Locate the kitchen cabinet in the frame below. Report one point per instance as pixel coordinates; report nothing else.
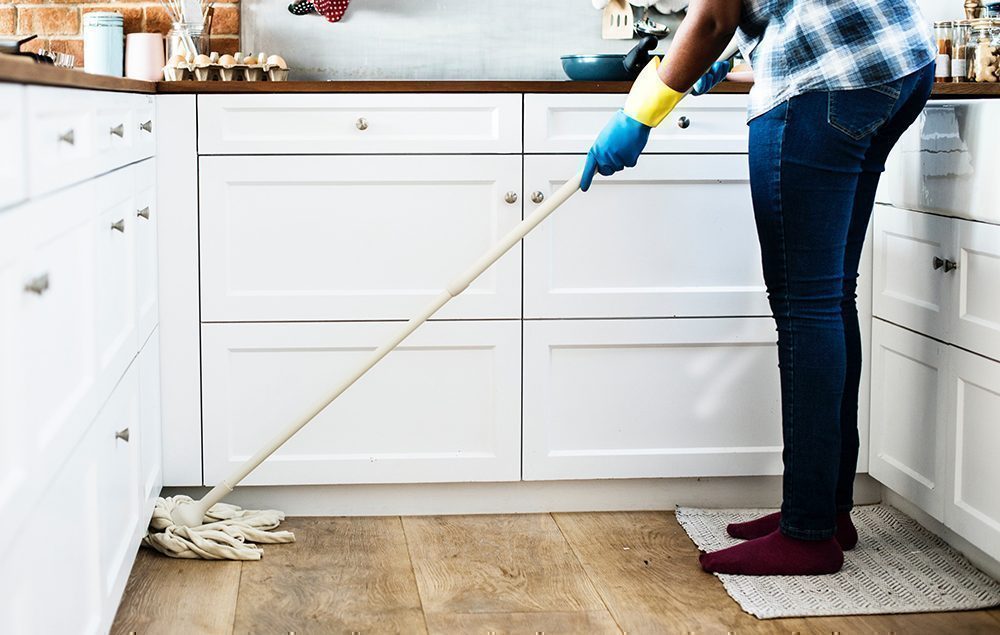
(14, 158)
(150, 422)
(673, 236)
(62, 138)
(445, 406)
(355, 238)
(650, 398)
(976, 293)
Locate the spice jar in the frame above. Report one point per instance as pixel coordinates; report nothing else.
(942, 68)
(103, 43)
(960, 51)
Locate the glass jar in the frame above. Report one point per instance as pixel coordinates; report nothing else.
(184, 35)
(103, 43)
(982, 58)
(942, 34)
(960, 51)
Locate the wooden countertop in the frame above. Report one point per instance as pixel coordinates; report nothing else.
(17, 71)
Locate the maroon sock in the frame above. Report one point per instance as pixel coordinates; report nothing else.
(846, 534)
(776, 554)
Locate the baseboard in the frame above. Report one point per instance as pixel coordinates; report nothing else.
(518, 497)
(963, 546)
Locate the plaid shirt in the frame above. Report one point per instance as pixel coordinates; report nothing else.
(797, 46)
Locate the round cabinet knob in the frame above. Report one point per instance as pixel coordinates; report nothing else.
(119, 131)
(38, 285)
(950, 265)
(122, 434)
(146, 126)
(537, 197)
(361, 123)
(510, 197)
(119, 225)
(68, 137)
(683, 123)
(937, 263)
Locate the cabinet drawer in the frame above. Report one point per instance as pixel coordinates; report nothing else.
(977, 288)
(146, 215)
(115, 133)
(570, 123)
(359, 238)
(445, 406)
(674, 236)
(62, 143)
(359, 124)
(14, 158)
(144, 126)
(650, 398)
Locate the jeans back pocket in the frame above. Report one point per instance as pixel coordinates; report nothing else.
(860, 112)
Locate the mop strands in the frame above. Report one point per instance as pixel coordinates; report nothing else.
(229, 532)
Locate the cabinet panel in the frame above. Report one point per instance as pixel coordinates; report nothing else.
(61, 138)
(973, 506)
(359, 238)
(146, 271)
(650, 398)
(445, 406)
(908, 289)
(144, 126)
(569, 123)
(115, 131)
(150, 441)
(673, 236)
(908, 414)
(359, 124)
(14, 158)
(977, 289)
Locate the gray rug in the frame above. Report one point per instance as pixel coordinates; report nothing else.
(897, 567)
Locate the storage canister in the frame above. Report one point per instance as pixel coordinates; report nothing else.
(942, 68)
(960, 51)
(103, 43)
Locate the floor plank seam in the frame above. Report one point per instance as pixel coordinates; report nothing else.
(413, 572)
(236, 604)
(586, 572)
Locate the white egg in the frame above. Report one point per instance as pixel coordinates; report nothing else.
(277, 60)
(202, 60)
(228, 61)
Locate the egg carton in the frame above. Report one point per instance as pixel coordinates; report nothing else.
(207, 68)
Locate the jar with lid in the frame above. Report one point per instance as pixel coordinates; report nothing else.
(960, 51)
(184, 35)
(943, 34)
(983, 56)
(103, 43)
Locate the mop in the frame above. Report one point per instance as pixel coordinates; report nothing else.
(182, 527)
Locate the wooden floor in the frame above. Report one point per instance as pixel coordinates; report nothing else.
(633, 572)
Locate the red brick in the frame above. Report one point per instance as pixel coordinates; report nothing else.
(73, 47)
(8, 20)
(226, 19)
(48, 20)
(224, 45)
(131, 15)
(157, 20)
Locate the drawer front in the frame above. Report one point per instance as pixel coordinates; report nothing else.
(359, 124)
(443, 407)
(115, 133)
(62, 138)
(570, 123)
(907, 289)
(360, 238)
(945, 162)
(674, 236)
(144, 126)
(14, 158)
(650, 398)
(146, 215)
(976, 284)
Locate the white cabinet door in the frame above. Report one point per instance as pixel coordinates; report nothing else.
(358, 238)
(908, 432)
(146, 217)
(62, 143)
(144, 126)
(115, 132)
(972, 506)
(910, 278)
(445, 406)
(359, 124)
(114, 239)
(976, 289)
(13, 432)
(14, 158)
(650, 398)
(673, 236)
(150, 441)
(569, 123)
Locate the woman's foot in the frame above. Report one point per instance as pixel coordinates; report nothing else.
(847, 534)
(776, 554)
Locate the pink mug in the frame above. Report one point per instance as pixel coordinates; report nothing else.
(144, 56)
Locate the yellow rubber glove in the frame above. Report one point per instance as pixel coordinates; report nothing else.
(650, 100)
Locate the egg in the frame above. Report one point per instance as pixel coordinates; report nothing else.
(261, 58)
(250, 60)
(228, 61)
(202, 60)
(276, 60)
(176, 60)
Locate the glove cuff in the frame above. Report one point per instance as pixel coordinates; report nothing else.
(650, 100)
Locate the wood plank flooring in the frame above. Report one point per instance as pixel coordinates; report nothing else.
(633, 572)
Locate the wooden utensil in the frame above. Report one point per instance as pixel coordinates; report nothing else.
(617, 21)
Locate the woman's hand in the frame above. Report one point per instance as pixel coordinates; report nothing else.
(616, 148)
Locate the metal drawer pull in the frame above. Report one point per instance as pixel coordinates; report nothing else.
(147, 126)
(683, 122)
(537, 197)
(143, 213)
(361, 123)
(38, 285)
(950, 265)
(510, 197)
(938, 263)
(119, 225)
(119, 131)
(122, 434)
(68, 137)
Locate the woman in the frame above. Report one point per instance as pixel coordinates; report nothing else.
(836, 84)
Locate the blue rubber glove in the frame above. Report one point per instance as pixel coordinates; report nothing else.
(616, 148)
(716, 73)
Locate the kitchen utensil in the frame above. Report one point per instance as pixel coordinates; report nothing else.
(302, 7)
(618, 18)
(671, 6)
(646, 26)
(144, 56)
(9, 45)
(610, 67)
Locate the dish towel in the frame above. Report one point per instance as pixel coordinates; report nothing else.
(230, 533)
(332, 10)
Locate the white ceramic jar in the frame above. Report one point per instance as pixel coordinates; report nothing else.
(103, 43)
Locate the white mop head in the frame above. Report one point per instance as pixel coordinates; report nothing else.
(228, 533)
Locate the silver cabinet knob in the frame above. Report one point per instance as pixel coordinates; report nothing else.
(119, 225)
(683, 122)
(119, 131)
(146, 126)
(950, 265)
(143, 213)
(122, 434)
(537, 197)
(361, 123)
(38, 285)
(68, 137)
(510, 197)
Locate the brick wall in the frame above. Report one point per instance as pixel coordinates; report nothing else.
(59, 25)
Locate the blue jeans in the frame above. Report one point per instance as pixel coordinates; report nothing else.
(815, 162)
